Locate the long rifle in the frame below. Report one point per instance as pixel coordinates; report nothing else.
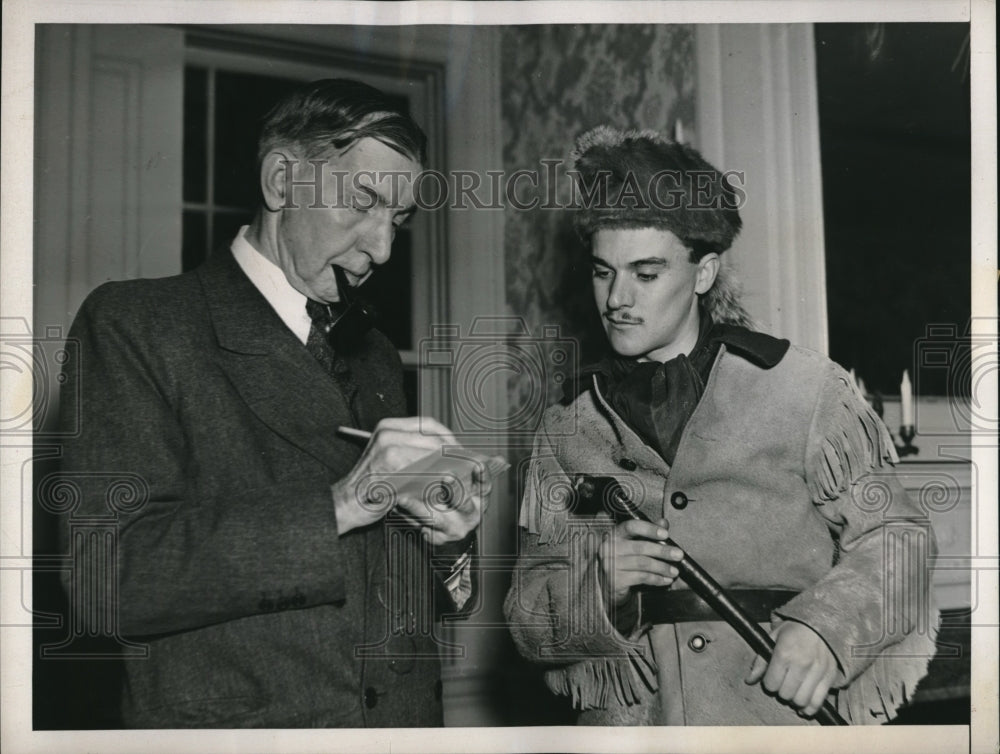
(617, 502)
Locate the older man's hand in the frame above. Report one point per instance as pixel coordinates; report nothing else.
(446, 509)
(801, 670)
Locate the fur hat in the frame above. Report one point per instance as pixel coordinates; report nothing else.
(638, 179)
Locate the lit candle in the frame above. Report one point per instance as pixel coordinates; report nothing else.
(906, 399)
(679, 131)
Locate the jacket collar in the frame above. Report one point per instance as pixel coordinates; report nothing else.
(243, 320)
(279, 380)
(758, 348)
(765, 351)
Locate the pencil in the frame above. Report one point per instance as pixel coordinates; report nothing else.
(352, 432)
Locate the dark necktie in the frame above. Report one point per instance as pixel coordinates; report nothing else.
(336, 365)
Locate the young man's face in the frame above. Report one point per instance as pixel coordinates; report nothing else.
(646, 291)
(367, 192)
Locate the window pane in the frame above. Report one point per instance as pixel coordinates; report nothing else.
(410, 391)
(895, 144)
(193, 231)
(225, 227)
(390, 289)
(241, 102)
(195, 136)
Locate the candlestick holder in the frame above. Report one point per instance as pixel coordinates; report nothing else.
(906, 434)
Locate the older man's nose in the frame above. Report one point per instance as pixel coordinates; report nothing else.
(378, 242)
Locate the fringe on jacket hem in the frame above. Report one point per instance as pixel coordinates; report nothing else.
(590, 684)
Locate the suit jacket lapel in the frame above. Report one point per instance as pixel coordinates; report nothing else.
(270, 368)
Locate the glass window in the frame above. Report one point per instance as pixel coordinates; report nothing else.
(895, 143)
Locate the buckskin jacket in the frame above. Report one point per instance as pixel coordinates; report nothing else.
(787, 482)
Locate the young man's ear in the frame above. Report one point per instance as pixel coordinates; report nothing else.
(708, 268)
(275, 179)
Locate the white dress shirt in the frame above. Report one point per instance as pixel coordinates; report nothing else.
(270, 280)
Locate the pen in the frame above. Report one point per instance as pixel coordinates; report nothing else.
(352, 432)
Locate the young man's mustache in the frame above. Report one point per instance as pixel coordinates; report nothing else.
(622, 318)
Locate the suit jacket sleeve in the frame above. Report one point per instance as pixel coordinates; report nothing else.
(184, 559)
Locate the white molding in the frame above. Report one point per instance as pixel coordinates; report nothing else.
(108, 144)
(757, 112)
(477, 288)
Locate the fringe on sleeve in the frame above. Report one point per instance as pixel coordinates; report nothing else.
(855, 443)
(591, 683)
(548, 496)
(875, 696)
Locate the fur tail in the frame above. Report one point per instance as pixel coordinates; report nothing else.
(723, 300)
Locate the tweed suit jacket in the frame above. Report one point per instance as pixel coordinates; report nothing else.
(229, 564)
(788, 484)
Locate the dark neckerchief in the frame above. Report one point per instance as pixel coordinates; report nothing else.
(656, 399)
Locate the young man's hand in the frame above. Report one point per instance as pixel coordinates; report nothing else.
(801, 670)
(636, 554)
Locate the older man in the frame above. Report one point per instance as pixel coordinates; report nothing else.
(761, 459)
(271, 588)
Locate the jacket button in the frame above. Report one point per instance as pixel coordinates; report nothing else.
(627, 463)
(402, 650)
(371, 697)
(697, 643)
(679, 500)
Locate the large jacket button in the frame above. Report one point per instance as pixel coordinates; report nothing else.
(370, 697)
(698, 643)
(628, 464)
(679, 500)
(402, 651)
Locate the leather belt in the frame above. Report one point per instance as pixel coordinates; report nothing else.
(684, 606)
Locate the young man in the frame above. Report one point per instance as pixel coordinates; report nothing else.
(759, 458)
(272, 584)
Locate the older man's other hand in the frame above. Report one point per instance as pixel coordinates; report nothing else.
(398, 470)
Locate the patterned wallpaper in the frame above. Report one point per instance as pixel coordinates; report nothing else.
(556, 83)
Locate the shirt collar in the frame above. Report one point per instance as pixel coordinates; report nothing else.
(270, 280)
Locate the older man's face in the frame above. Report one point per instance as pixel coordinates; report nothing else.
(367, 192)
(646, 291)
